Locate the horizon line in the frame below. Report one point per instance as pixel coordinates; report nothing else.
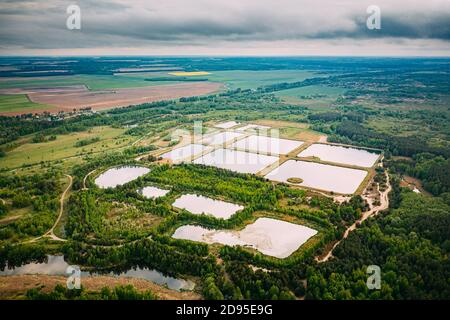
(220, 56)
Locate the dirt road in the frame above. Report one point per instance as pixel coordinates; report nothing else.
(384, 204)
(50, 233)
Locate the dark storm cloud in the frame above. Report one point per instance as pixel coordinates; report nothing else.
(141, 28)
(36, 24)
(434, 27)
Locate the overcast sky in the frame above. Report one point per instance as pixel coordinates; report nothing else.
(225, 27)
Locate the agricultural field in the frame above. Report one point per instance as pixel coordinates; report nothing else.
(124, 86)
(99, 100)
(93, 82)
(141, 77)
(245, 79)
(19, 103)
(67, 99)
(189, 74)
(128, 88)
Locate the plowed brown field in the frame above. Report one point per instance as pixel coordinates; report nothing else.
(78, 97)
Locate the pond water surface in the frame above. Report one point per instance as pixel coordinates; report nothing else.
(319, 176)
(56, 265)
(239, 161)
(221, 138)
(268, 145)
(199, 204)
(253, 127)
(269, 236)
(153, 192)
(226, 125)
(118, 176)
(185, 153)
(339, 154)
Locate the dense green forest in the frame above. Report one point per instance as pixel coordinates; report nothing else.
(37, 194)
(433, 171)
(410, 242)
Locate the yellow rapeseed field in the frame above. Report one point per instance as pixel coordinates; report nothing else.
(188, 74)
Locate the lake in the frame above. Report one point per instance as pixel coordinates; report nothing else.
(118, 176)
(268, 145)
(56, 265)
(339, 154)
(197, 204)
(269, 236)
(319, 176)
(239, 161)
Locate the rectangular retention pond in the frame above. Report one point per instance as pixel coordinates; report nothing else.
(239, 161)
(268, 145)
(226, 125)
(253, 127)
(340, 154)
(319, 176)
(221, 138)
(186, 153)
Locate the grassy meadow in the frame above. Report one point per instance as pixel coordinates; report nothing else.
(65, 146)
(18, 102)
(311, 96)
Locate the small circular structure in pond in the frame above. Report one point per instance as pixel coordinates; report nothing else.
(295, 180)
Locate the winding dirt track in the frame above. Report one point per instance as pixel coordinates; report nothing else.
(85, 178)
(384, 204)
(50, 233)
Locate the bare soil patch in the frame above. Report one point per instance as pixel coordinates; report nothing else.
(105, 99)
(79, 97)
(412, 182)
